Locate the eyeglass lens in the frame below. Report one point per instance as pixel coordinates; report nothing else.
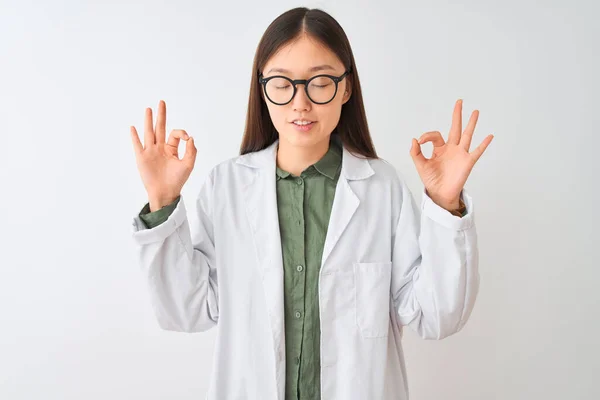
(320, 89)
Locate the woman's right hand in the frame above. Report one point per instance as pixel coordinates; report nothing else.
(162, 172)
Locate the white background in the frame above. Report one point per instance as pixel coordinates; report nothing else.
(75, 317)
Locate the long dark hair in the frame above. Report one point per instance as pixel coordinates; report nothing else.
(352, 127)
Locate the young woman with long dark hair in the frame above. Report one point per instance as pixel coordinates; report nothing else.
(309, 253)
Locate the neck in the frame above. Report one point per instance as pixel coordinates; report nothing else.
(295, 159)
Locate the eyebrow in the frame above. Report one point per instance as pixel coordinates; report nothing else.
(313, 69)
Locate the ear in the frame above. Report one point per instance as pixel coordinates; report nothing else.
(347, 92)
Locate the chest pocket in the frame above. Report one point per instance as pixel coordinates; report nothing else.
(372, 282)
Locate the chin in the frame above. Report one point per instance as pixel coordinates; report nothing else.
(304, 139)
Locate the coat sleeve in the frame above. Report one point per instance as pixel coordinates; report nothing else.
(435, 277)
(180, 270)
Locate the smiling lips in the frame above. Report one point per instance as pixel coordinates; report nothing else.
(303, 125)
(302, 121)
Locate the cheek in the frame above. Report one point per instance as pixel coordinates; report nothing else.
(277, 115)
(331, 115)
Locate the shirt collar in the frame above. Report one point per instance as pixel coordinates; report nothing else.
(354, 167)
(328, 165)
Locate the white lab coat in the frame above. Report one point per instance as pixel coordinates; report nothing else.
(385, 264)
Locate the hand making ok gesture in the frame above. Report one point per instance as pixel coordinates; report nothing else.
(445, 173)
(162, 171)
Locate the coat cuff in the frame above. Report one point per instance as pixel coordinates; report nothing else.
(444, 217)
(155, 218)
(144, 235)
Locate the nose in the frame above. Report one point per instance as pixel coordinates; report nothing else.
(301, 101)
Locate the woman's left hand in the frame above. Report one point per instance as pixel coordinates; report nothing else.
(445, 173)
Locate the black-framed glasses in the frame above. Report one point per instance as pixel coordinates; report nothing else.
(320, 89)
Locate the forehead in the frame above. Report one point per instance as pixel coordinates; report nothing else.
(301, 55)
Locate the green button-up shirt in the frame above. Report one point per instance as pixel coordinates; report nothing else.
(304, 206)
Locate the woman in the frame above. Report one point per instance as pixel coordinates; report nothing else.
(309, 254)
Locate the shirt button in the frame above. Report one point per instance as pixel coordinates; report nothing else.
(297, 360)
(298, 314)
(300, 181)
(299, 268)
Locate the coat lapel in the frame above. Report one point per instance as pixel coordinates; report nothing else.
(345, 201)
(261, 210)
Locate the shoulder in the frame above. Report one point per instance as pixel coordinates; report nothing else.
(228, 169)
(223, 180)
(393, 181)
(228, 176)
(387, 172)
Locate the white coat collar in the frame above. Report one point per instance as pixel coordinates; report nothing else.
(353, 167)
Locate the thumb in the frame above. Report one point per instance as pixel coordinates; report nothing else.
(416, 154)
(190, 152)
